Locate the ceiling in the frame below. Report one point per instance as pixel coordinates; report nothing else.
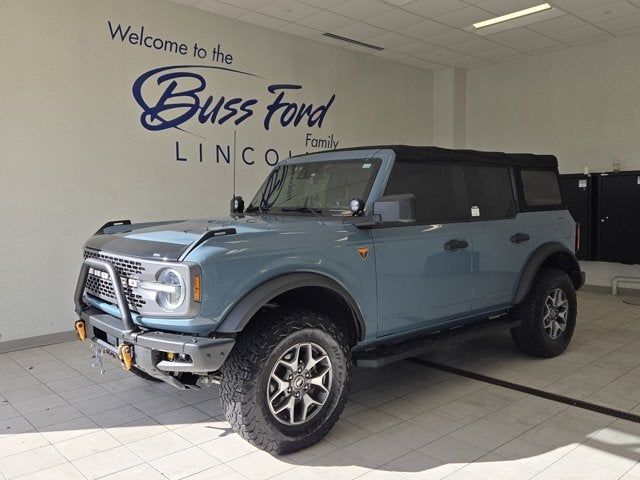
(431, 34)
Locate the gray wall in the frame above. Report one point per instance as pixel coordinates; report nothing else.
(581, 104)
(75, 155)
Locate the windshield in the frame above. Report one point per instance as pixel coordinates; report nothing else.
(316, 187)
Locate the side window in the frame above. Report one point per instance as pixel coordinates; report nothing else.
(541, 188)
(432, 185)
(489, 192)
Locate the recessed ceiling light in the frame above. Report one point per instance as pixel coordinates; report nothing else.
(511, 16)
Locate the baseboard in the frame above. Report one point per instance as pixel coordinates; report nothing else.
(632, 292)
(37, 341)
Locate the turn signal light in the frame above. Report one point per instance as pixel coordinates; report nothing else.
(197, 288)
(170, 356)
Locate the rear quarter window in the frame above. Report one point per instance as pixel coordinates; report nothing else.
(540, 188)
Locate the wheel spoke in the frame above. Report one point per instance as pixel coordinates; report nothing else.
(281, 387)
(312, 362)
(307, 402)
(289, 405)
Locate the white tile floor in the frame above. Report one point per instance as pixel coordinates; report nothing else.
(61, 419)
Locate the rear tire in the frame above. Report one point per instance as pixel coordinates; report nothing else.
(261, 364)
(548, 315)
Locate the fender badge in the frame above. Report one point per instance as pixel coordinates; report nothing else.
(363, 252)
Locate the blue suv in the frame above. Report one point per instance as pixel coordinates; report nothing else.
(342, 257)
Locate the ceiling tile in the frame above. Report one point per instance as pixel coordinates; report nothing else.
(189, 3)
(572, 6)
(289, 10)
(603, 37)
(325, 21)
(424, 29)
(558, 24)
(516, 56)
(515, 35)
(535, 44)
(475, 45)
(220, 8)
(630, 31)
(299, 30)
(390, 40)
(424, 64)
(248, 4)
(433, 8)
(329, 40)
(414, 48)
(453, 37)
(465, 61)
(389, 54)
(398, 3)
(438, 54)
(357, 48)
(620, 24)
(502, 7)
(464, 17)
(496, 53)
(323, 3)
(554, 48)
(608, 12)
(578, 34)
(358, 31)
(361, 9)
(262, 20)
(394, 19)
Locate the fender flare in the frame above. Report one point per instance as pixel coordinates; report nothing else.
(244, 310)
(535, 261)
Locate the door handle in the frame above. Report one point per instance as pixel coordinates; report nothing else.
(453, 245)
(520, 237)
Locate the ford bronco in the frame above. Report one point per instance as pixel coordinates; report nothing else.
(342, 257)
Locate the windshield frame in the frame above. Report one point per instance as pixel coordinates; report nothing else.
(382, 158)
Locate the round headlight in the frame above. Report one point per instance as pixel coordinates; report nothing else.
(173, 298)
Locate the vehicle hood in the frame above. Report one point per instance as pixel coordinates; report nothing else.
(171, 240)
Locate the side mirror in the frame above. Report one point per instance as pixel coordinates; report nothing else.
(396, 208)
(237, 205)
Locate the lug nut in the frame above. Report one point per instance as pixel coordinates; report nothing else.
(300, 370)
(289, 390)
(308, 375)
(298, 395)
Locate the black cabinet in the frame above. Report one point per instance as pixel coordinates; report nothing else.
(578, 192)
(618, 238)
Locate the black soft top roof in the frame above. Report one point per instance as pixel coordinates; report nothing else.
(410, 152)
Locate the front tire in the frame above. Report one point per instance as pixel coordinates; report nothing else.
(285, 382)
(547, 315)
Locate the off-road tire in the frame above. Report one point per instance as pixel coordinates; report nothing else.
(530, 336)
(245, 377)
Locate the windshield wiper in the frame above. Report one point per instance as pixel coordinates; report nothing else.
(256, 208)
(315, 211)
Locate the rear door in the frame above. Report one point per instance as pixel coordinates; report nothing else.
(424, 268)
(501, 238)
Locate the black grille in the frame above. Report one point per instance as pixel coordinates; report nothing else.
(103, 288)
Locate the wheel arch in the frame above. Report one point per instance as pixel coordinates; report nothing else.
(553, 255)
(307, 289)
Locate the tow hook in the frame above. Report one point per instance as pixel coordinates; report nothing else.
(97, 357)
(125, 354)
(80, 330)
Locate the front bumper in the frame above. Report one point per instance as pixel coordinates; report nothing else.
(192, 354)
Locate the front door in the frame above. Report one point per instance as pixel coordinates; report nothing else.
(424, 268)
